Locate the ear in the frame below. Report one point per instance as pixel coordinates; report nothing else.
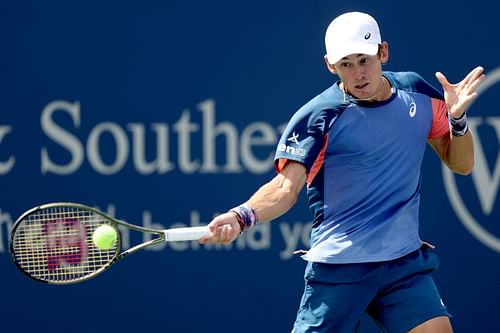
(384, 53)
(331, 67)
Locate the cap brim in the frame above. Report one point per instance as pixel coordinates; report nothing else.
(355, 48)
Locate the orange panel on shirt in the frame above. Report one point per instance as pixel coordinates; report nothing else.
(318, 163)
(440, 126)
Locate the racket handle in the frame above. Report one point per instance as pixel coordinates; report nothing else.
(186, 234)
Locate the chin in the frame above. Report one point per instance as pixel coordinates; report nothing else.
(364, 95)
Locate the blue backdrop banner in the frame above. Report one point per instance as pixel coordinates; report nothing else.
(167, 113)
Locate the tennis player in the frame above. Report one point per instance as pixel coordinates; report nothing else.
(359, 147)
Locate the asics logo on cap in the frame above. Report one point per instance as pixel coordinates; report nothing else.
(367, 36)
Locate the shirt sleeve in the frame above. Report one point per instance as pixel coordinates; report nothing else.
(414, 82)
(302, 139)
(440, 126)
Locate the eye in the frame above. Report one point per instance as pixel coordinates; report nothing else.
(345, 65)
(364, 61)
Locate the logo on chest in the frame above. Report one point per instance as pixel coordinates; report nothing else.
(413, 110)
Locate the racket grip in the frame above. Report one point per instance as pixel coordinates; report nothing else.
(186, 234)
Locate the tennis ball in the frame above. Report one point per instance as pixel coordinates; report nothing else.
(104, 237)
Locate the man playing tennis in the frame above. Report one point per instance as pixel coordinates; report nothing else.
(359, 146)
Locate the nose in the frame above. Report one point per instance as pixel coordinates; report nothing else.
(359, 73)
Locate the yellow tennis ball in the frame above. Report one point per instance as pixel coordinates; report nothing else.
(104, 237)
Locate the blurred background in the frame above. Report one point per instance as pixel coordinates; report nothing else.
(166, 113)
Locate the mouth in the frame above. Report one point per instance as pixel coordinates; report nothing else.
(361, 86)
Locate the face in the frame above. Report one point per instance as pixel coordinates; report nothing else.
(361, 74)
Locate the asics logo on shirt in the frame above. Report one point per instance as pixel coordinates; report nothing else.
(292, 150)
(294, 138)
(413, 110)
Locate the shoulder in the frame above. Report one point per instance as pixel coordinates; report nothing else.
(324, 106)
(413, 82)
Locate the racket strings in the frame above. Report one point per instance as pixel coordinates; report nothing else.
(55, 244)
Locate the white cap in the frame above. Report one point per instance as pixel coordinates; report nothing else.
(351, 33)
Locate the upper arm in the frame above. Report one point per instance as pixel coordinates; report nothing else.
(291, 178)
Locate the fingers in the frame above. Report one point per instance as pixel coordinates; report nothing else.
(473, 75)
(472, 79)
(222, 230)
(459, 96)
(476, 77)
(471, 83)
(442, 79)
(224, 233)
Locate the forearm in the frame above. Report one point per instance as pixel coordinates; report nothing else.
(280, 194)
(460, 154)
(457, 151)
(272, 200)
(268, 202)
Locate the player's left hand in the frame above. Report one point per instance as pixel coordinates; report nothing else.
(460, 95)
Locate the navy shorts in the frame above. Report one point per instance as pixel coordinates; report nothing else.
(398, 294)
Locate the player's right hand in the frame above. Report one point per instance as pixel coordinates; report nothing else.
(223, 229)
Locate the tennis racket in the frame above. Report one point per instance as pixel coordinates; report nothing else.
(52, 243)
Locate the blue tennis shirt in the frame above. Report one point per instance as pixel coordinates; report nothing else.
(363, 162)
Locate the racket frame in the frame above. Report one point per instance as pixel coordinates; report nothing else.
(161, 237)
